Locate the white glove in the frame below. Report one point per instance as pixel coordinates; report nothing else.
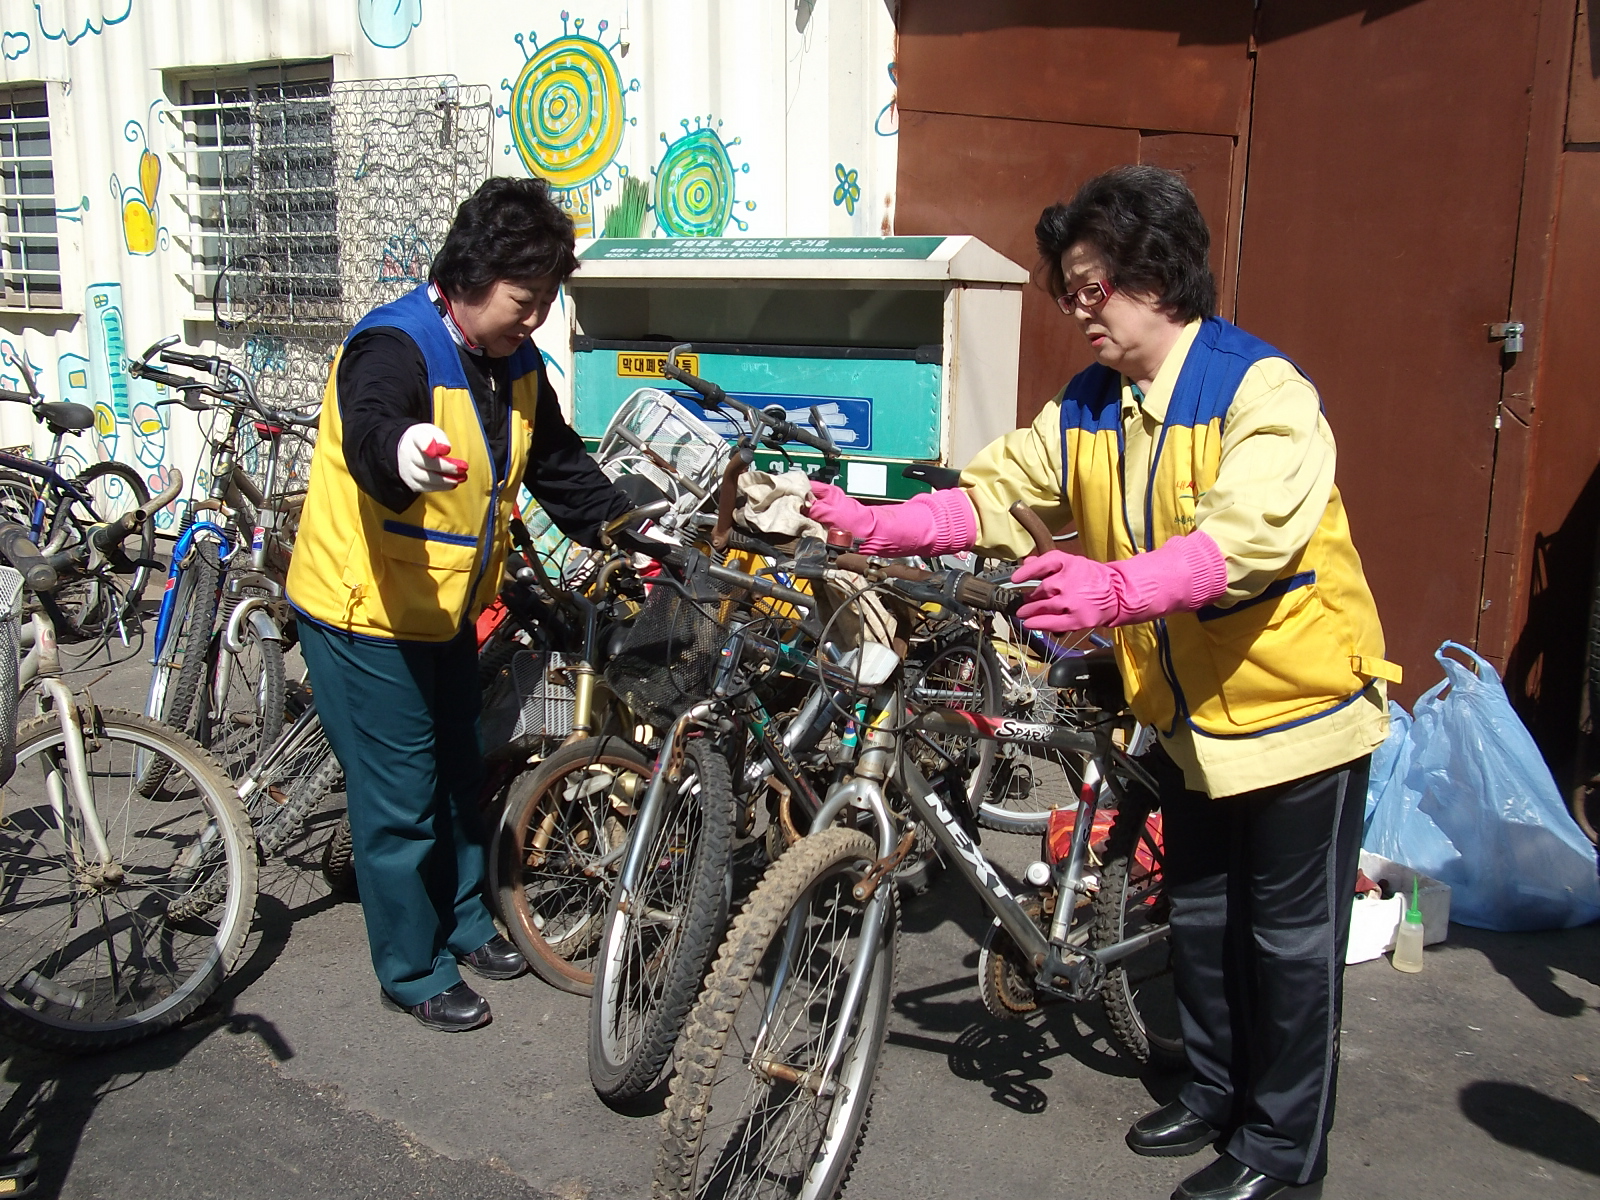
(422, 461)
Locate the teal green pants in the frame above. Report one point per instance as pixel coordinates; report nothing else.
(402, 717)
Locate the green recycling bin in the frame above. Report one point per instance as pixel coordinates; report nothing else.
(906, 346)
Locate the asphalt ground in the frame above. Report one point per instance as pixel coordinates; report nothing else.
(1478, 1077)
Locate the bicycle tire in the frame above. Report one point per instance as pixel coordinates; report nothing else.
(559, 818)
(239, 727)
(1138, 994)
(287, 798)
(173, 688)
(195, 624)
(60, 983)
(717, 1097)
(645, 981)
(339, 861)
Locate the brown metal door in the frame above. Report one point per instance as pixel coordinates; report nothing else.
(1380, 225)
(1008, 105)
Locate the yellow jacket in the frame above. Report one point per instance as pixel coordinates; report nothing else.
(1287, 655)
(416, 575)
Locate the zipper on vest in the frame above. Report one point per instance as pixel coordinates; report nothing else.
(490, 523)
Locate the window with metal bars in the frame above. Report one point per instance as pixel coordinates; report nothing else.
(259, 170)
(32, 249)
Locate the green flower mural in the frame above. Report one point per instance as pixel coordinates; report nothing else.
(849, 189)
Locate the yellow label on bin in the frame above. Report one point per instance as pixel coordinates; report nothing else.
(648, 365)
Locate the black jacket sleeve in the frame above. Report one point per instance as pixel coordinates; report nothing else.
(566, 482)
(383, 389)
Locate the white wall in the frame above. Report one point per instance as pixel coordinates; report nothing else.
(797, 94)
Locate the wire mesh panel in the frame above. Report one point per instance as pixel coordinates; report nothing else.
(410, 151)
(312, 202)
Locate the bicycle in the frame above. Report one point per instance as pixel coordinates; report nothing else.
(220, 633)
(775, 1074)
(58, 509)
(107, 939)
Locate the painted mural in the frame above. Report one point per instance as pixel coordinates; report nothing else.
(648, 120)
(142, 230)
(71, 21)
(567, 113)
(127, 415)
(694, 192)
(388, 23)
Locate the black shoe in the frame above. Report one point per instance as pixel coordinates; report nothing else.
(1172, 1131)
(451, 1011)
(1230, 1179)
(495, 959)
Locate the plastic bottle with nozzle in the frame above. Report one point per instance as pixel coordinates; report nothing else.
(1408, 937)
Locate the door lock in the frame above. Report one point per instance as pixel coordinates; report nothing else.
(1510, 333)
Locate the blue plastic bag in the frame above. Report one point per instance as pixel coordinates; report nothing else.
(1517, 859)
(1396, 827)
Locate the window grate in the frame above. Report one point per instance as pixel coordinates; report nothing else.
(32, 247)
(259, 169)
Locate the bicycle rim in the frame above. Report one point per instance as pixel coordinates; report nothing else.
(569, 815)
(93, 956)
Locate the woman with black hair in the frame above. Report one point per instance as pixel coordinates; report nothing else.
(437, 411)
(1198, 467)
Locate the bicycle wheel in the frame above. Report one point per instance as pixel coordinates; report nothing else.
(246, 701)
(658, 941)
(194, 617)
(181, 658)
(339, 861)
(98, 955)
(301, 773)
(746, 1115)
(1138, 995)
(962, 675)
(557, 853)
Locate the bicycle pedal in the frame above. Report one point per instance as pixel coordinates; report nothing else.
(19, 1174)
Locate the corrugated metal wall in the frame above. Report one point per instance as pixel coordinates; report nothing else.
(767, 119)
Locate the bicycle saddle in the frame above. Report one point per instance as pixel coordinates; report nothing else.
(68, 417)
(1095, 671)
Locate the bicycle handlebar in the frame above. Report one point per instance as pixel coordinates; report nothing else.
(18, 549)
(211, 365)
(108, 538)
(240, 391)
(10, 397)
(779, 429)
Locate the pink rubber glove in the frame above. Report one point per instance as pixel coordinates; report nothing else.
(933, 523)
(1184, 574)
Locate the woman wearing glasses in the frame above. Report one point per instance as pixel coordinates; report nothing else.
(1198, 467)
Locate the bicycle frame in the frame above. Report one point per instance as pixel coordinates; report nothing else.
(42, 665)
(1071, 971)
(51, 478)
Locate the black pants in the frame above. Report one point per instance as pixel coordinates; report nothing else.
(1260, 886)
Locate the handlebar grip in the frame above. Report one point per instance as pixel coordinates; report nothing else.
(1043, 541)
(195, 362)
(980, 593)
(157, 375)
(713, 394)
(7, 395)
(109, 537)
(21, 553)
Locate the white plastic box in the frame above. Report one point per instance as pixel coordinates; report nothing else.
(1374, 922)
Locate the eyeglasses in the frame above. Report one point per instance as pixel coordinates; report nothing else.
(1090, 295)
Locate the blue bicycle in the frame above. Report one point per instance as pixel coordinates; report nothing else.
(220, 634)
